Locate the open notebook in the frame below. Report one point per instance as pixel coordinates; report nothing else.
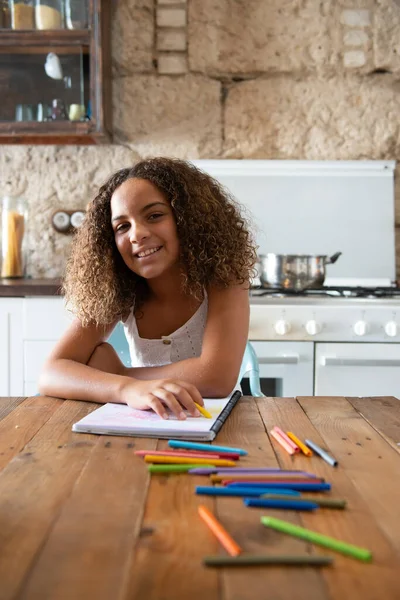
(120, 419)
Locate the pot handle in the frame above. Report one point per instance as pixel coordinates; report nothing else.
(332, 259)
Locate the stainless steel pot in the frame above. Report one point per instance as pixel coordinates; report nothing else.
(294, 271)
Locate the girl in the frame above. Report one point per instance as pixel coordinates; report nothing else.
(164, 249)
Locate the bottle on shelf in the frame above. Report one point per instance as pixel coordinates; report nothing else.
(13, 227)
(22, 14)
(49, 14)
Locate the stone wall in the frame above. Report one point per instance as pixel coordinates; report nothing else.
(275, 79)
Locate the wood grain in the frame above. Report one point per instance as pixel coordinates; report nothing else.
(383, 414)
(7, 405)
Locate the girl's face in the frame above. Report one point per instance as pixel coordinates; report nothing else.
(144, 228)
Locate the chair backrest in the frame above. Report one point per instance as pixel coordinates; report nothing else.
(249, 363)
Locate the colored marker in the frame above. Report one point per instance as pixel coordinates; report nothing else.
(317, 538)
(203, 411)
(327, 457)
(281, 504)
(207, 455)
(153, 458)
(238, 491)
(322, 502)
(206, 447)
(311, 487)
(300, 444)
(266, 481)
(219, 477)
(169, 468)
(220, 533)
(247, 470)
(287, 439)
(266, 559)
(282, 442)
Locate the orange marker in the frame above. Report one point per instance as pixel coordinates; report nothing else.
(300, 444)
(171, 460)
(220, 533)
(282, 441)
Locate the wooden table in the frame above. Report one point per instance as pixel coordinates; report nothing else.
(80, 517)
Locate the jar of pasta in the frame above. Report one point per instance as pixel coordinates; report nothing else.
(49, 14)
(13, 225)
(22, 14)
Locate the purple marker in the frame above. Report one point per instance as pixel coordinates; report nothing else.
(245, 471)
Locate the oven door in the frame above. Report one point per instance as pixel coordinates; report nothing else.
(357, 370)
(286, 368)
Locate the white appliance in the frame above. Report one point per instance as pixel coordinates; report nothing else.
(341, 342)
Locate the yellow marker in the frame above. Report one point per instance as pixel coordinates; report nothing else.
(300, 444)
(203, 411)
(172, 460)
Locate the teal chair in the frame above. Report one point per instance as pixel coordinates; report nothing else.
(249, 363)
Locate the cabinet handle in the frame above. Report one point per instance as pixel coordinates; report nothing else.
(332, 361)
(279, 360)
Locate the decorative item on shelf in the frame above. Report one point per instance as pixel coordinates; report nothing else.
(43, 112)
(13, 224)
(25, 112)
(49, 14)
(52, 66)
(76, 112)
(22, 14)
(58, 110)
(76, 14)
(67, 221)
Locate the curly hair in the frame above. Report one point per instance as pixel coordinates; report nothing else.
(216, 246)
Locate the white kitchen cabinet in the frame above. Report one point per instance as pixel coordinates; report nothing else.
(11, 347)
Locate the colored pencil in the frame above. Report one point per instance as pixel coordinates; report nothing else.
(203, 411)
(282, 442)
(317, 538)
(311, 487)
(287, 439)
(322, 502)
(300, 444)
(287, 504)
(265, 559)
(327, 457)
(169, 468)
(218, 530)
(153, 458)
(239, 491)
(205, 447)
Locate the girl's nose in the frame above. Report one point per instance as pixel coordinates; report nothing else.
(138, 232)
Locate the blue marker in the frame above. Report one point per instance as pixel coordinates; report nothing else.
(210, 490)
(206, 447)
(288, 504)
(291, 485)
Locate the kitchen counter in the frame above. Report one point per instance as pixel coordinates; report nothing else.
(21, 287)
(81, 516)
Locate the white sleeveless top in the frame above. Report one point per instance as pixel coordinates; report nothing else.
(185, 342)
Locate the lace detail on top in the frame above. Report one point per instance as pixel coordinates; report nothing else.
(185, 342)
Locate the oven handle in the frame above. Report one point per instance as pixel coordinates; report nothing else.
(279, 360)
(336, 361)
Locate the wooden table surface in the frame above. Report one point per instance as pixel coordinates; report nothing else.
(80, 518)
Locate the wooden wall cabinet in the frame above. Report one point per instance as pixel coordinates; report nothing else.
(27, 91)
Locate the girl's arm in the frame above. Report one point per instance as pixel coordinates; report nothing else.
(215, 372)
(66, 374)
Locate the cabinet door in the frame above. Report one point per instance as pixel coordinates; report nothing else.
(357, 370)
(11, 354)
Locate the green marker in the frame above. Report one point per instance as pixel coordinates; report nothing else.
(174, 468)
(317, 538)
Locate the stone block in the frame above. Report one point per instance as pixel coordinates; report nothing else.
(355, 37)
(172, 64)
(174, 2)
(171, 17)
(253, 36)
(356, 18)
(171, 39)
(132, 36)
(386, 38)
(354, 59)
(342, 118)
(177, 116)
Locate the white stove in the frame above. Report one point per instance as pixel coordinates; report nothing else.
(344, 339)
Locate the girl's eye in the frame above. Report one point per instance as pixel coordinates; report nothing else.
(121, 227)
(155, 216)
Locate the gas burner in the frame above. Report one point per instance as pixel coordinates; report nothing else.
(331, 291)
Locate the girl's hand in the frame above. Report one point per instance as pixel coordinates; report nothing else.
(161, 393)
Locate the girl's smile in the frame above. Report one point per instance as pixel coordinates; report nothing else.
(144, 228)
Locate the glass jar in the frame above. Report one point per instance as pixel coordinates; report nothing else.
(22, 14)
(76, 14)
(49, 14)
(13, 225)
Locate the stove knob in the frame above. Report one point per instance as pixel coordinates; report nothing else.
(313, 327)
(282, 327)
(391, 329)
(361, 328)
